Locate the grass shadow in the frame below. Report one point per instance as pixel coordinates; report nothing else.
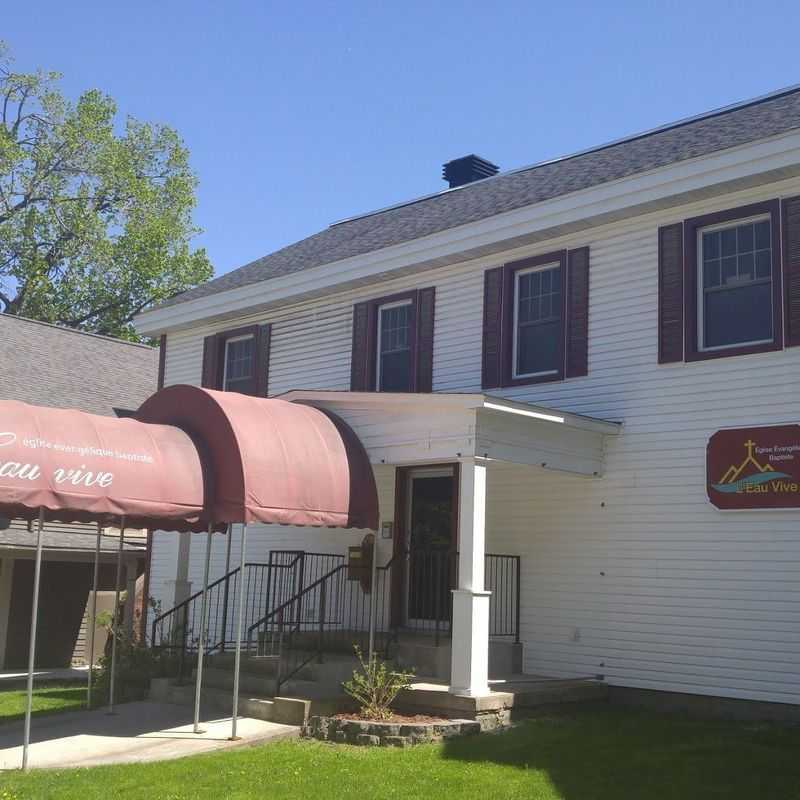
(606, 753)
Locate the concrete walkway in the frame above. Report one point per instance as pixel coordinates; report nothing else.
(58, 674)
(138, 732)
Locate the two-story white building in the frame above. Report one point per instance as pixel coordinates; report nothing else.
(536, 362)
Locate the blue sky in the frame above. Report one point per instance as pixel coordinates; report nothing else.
(299, 114)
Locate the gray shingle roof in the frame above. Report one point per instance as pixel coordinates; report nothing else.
(59, 536)
(48, 365)
(760, 119)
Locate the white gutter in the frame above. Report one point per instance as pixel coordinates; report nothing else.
(615, 197)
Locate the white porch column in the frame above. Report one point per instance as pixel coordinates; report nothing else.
(469, 670)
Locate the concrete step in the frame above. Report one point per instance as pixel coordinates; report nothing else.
(286, 710)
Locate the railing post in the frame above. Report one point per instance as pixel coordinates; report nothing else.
(184, 639)
(280, 653)
(518, 598)
(298, 590)
(322, 588)
(437, 601)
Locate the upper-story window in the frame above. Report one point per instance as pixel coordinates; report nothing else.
(238, 360)
(735, 283)
(538, 331)
(394, 365)
(393, 343)
(239, 365)
(720, 284)
(536, 320)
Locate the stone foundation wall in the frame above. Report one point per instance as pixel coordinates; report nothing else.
(386, 734)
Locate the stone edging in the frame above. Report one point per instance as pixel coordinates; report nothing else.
(386, 734)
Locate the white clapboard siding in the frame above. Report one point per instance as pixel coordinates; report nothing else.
(633, 576)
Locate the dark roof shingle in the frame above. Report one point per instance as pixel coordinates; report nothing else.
(760, 119)
(47, 365)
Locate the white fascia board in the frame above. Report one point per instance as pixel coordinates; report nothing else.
(550, 415)
(764, 156)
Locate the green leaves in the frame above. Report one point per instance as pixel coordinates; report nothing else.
(95, 225)
(376, 686)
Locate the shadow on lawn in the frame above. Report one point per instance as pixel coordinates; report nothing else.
(605, 753)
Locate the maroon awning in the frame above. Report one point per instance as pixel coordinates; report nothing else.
(81, 467)
(273, 461)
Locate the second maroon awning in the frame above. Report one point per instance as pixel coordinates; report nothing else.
(273, 461)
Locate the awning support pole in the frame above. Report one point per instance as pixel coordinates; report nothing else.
(32, 646)
(239, 618)
(202, 637)
(229, 532)
(93, 618)
(114, 619)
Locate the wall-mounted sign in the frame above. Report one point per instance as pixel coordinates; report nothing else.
(754, 468)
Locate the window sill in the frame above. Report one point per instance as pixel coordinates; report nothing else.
(745, 350)
(534, 379)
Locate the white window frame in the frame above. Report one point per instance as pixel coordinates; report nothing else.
(225, 357)
(381, 308)
(517, 275)
(701, 330)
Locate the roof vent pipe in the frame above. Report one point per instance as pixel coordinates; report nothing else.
(467, 169)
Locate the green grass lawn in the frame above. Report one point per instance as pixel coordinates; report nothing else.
(590, 753)
(46, 699)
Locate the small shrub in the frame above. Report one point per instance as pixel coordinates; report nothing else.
(375, 686)
(136, 665)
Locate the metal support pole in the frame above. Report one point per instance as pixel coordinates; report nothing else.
(202, 638)
(239, 618)
(114, 623)
(372, 598)
(229, 532)
(93, 618)
(32, 646)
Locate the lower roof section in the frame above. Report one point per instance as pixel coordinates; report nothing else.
(407, 428)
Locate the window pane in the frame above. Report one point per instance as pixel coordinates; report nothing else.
(729, 242)
(538, 321)
(395, 371)
(711, 274)
(762, 237)
(763, 264)
(744, 236)
(728, 270)
(537, 348)
(711, 245)
(395, 349)
(738, 315)
(239, 365)
(746, 267)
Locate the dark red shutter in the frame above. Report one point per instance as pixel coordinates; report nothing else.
(791, 269)
(210, 378)
(577, 313)
(491, 368)
(162, 359)
(360, 361)
(426, 301)
(263, 337)
(670, 293)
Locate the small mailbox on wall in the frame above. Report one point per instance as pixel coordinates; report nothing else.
(359, 562)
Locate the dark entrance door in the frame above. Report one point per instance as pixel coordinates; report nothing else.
(431, 545)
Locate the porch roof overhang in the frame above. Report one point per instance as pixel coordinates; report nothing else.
(407, 428)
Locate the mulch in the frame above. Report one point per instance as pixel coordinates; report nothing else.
(395, 719)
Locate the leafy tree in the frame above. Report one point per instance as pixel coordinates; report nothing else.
(95, 219)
